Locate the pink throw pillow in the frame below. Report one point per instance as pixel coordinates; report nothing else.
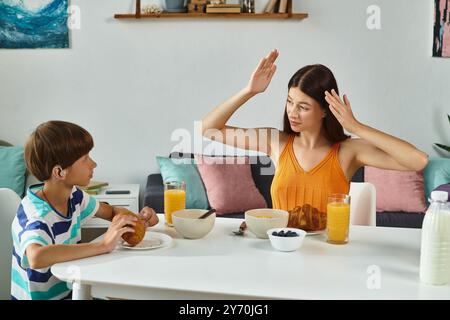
(229, 184)
(397, 190)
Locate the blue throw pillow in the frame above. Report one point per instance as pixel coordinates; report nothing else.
(12, 169)
(436, 173)
(185, 170)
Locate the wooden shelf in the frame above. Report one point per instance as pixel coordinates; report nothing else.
(167, 15)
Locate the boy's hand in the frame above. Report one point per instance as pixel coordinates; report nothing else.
(119, 225)
(150, 217)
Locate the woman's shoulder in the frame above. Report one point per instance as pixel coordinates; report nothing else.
(283, 139)
(278, 145)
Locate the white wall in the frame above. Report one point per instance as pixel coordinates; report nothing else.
(131, 83)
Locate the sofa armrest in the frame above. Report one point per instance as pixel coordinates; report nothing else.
(154, 193)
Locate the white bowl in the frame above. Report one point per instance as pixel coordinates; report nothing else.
(186, 223)
(260, 220)
(286, 243)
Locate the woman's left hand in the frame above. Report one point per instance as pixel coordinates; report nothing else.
(150, 217)
(342, 111)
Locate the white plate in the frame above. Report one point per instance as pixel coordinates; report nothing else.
(152, 240)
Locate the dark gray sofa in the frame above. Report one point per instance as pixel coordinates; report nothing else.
(154, 193)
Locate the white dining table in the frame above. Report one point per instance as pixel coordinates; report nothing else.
(376, 263)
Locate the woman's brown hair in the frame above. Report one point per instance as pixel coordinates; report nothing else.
(314, 80)
(55, 143)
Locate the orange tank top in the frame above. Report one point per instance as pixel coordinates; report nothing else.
(306, 192)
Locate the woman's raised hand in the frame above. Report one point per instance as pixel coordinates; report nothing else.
(263, 74)
(342, 110)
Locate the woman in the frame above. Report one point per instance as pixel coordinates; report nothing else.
(313, 156)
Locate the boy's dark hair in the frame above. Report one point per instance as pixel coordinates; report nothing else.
(314, 80)
(55, 143)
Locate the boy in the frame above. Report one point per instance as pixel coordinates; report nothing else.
(47, 227)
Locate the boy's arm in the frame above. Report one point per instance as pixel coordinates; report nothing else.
(40, 256)
(107, 212)
(45, 256)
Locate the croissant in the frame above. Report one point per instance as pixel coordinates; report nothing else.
(307, 218)
(134, 238)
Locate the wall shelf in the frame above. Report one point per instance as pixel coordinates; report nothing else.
(168, 15)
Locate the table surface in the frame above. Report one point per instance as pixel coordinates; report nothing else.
(377, 263)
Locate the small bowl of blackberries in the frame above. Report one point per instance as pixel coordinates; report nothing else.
(286, 239)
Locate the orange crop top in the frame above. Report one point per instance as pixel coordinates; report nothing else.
(307, 191)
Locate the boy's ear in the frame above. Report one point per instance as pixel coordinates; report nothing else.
(59, 172)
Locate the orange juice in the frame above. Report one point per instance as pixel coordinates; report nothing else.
(338, 219)
(174, 199)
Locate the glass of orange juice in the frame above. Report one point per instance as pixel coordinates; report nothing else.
(338, 218)
(174, 199)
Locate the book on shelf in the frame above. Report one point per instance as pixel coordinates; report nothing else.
(270, 7)
(283, 6)
(224, 5)
(223, 8)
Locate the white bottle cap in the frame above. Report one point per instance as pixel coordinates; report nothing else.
(441, 196)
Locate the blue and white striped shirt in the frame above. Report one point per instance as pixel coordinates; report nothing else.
(38, 222)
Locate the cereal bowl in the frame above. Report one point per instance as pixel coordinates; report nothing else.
(188, 224)
(260, 220)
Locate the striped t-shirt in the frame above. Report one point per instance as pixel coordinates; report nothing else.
(38, 222)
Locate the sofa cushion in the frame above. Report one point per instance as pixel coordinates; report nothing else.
(185, 170)
(229, 184)
(436, 173)
(12, 169)
(400, 219)
(397, 190)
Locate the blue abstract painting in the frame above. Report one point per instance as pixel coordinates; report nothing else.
(33, 24)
